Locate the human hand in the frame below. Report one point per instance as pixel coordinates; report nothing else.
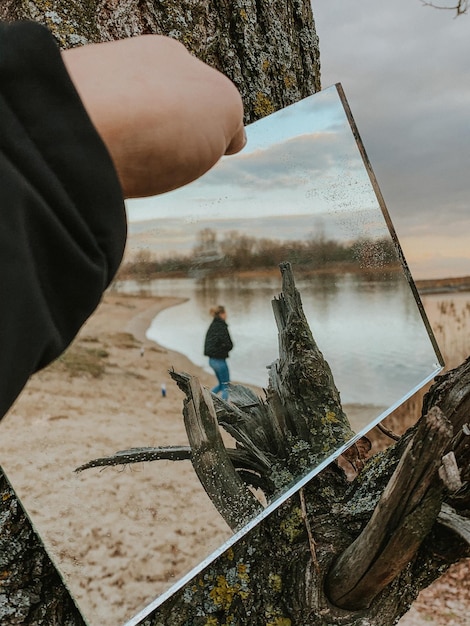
(165, 117)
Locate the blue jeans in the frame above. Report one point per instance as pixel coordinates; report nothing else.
(220, 368)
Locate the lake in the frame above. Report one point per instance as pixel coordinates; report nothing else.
(368, 328)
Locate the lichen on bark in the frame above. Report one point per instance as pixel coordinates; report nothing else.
(268, 48)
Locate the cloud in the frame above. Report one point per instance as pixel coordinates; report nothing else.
(287, 165)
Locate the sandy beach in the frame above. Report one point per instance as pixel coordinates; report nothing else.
(121, 535)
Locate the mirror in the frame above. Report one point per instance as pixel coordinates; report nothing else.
(126, 537)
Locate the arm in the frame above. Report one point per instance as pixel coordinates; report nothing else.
(165, 116)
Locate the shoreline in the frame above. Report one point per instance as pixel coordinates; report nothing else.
(457, 284)
(359, 414)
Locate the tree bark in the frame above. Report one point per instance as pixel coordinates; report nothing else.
(269, 48)
(404, 515)
(272, 576)
(31, 590)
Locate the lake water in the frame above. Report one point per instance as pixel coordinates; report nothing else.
(369, 329)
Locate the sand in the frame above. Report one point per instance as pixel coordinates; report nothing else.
(120, 536)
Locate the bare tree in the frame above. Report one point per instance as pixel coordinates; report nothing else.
(460, 8)
(341, 552)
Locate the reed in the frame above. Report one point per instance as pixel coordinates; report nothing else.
(449, 316)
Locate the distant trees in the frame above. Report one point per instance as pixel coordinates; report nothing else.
(237, 251)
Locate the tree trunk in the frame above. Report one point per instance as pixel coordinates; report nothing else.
(31, 590)
(289, 569)
(269, 48)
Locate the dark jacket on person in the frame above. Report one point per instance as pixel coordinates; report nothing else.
(218, 342)
(62, 217)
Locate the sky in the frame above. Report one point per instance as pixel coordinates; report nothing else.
(290, 164)
(405, 72)
(300, 176)
(405, 69)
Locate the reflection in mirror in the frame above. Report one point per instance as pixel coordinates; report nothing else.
(299, 203)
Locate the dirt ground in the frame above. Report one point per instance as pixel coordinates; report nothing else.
(444, 603)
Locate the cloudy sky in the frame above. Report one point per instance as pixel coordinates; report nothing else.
(300, 176)
(405, 69)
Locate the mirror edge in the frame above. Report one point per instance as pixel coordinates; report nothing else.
(388, 221)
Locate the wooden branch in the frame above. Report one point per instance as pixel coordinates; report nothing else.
(449, 518)
(404, 515)
(460, 7)
(449, 472)
(450, 393)
(210, 459)
(388, 432)
(139, 455)
(248, 423)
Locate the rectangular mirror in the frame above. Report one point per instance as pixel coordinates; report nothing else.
(126, 536)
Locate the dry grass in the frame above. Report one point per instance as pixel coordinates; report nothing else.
(80, 360)
(449, 316)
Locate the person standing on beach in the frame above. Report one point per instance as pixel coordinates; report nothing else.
(217, 345)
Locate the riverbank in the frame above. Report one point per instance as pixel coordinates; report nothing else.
(443, 285)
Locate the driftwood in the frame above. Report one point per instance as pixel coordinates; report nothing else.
(378, 540)
(404, 515)
(279, 439)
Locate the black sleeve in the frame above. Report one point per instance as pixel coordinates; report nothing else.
(228, 344)
(62, 218)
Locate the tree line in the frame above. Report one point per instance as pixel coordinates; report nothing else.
(235, 251)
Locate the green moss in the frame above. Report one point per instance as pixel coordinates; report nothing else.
(265, 65)
(274, 618)
(279, 621)
(223, 593)
(263, 105)
(331, 418)
(275, 582)
(293, 525)
(290, 81)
